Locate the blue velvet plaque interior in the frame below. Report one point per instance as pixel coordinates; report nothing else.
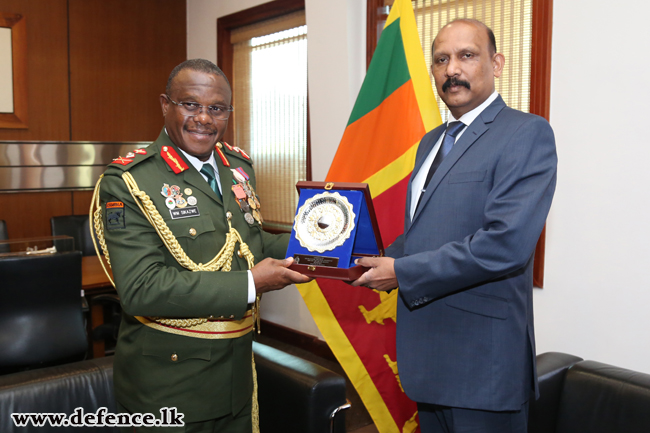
(338, 261)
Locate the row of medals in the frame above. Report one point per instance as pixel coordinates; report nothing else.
(174, 198)
(246, 198)
(245, 195)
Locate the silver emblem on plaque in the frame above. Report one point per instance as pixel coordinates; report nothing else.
(324, 222)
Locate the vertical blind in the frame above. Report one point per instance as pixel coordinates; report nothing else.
(511, 22)
(270, 118)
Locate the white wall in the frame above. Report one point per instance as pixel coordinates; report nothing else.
(597, 291)
(597, 295)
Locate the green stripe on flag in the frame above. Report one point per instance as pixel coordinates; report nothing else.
(388, 71)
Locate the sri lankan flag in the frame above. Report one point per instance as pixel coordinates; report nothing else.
(394, 109)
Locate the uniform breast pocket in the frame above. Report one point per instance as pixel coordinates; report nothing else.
(467, 176)
(193, 234)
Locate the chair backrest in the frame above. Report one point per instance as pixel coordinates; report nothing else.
(41, 321)
(3, 236)
(75, 226)
(602, 398)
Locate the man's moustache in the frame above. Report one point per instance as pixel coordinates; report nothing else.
(454, 82)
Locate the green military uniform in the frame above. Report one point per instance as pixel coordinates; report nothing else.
(203, 378)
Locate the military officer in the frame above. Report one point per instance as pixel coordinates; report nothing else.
(189, 256)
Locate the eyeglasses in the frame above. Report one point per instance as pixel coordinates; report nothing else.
(217, 112)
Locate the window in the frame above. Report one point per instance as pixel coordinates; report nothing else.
(511, 22)
(268, 72)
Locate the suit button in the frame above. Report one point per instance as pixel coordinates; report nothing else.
(174, 357)
(192, 232)
(211, 317)
(239, 254)
(232, 316)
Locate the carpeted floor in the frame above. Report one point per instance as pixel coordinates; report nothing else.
(357, 419)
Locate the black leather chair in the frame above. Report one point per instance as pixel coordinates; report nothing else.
(295, 395)
(41, 321)
(3, 237)
(75, 226)
(579, 396)
(112, 315)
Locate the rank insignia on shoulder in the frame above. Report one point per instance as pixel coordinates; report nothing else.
(241, 152)
(115, 218)
(140, 151)
(173, 160)
(122, 161)
(229, 147)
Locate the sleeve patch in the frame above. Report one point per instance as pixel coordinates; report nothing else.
(115, 218)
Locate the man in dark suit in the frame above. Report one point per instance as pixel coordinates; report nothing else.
(477, 201)
(183, 233)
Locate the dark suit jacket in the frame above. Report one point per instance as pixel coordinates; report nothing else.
(210, 378)
(465, 334)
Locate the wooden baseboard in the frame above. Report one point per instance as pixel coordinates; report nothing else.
(297, 339)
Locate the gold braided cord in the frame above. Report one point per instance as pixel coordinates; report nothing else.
(255, 410)
(96, 223)
(222, 261)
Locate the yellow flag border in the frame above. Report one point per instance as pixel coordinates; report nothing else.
(348, 357)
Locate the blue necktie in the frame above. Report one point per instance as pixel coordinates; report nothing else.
(208, 171)
(447, 143)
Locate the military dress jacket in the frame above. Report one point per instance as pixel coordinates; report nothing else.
(202, 378)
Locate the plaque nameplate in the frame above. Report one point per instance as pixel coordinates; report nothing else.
(303, 259)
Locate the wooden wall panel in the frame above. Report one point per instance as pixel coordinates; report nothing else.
(81, 202)
(47, 69)
(121, 53)
(28, 214)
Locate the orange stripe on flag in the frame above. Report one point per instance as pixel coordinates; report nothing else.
(379, 137)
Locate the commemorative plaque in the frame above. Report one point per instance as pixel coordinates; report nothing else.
(335, 224)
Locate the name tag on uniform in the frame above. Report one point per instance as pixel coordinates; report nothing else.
(186, 212)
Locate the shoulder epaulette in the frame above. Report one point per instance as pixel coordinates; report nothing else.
(131, 159)
(224, 149)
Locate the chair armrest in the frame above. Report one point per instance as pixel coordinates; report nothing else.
(551, 370)
(296, 395)
(60, 389)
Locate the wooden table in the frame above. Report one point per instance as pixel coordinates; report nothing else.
(94, 281)
(93, 278)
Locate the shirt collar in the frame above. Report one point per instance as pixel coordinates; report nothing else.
(470, 116)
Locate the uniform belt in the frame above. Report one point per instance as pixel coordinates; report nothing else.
(211, 329)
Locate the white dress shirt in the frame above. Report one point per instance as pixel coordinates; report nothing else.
(417, 187)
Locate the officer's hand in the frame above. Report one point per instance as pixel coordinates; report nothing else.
(381, 275)
(271, 274)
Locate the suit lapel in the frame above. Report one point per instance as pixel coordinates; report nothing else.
(474, 131)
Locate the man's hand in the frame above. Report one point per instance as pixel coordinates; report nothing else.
(271, 274)
(381, 275)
